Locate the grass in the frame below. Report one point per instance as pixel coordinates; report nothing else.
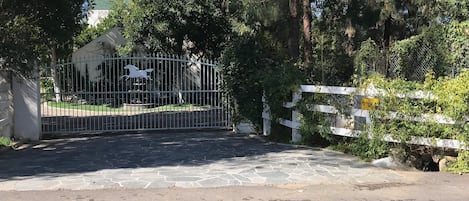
(107, 108)
(5, 142)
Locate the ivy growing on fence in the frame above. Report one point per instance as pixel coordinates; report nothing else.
(436, 109)
(440, 113)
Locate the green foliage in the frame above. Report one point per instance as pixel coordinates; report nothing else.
(251, 68)
(398, 114)
(440, 48)
(280, 133)
(339, 28)
(457, 41)
(368, 149)
(166, 25)
(29, 30)
(18, 43)
(461, 165)
(311, 120)
(363, 147)
(426, 50)
(46, 88)
(446, 96)
(453, 96)
(6, 142)
(46, 85)
(114, 19)
(243, 63)
(366, 60)
(110, 108)
(256, 61)
(402, 127)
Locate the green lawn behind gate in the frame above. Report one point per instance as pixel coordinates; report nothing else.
(107, 108)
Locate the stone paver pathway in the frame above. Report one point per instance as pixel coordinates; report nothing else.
(197, 159)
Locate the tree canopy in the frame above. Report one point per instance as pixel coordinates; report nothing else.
(30, 29)
(196, 26)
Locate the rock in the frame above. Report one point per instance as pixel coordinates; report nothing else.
(387, 162)
(244, 128)
(443, 163)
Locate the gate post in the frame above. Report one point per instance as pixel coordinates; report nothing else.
(26, 104)
(265, 117)
(6, 109)
(295, 135)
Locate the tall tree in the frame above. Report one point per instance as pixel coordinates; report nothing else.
(294, 29)
(19, 36)
(166, 26)
(60, 22)
(308, 44)
(38, 31)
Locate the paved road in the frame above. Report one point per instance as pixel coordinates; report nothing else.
(197, 159)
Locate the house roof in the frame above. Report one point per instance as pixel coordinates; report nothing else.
(112, 38)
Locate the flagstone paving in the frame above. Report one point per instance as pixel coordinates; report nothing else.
(186, 159)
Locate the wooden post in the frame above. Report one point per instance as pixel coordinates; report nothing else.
(266, 127)
(295, 135)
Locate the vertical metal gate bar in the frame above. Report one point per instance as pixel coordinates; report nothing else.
(176, 71)
(184, 109)
(213, 117)
(151, 115)
(177, 98)
(122, 96)
(183, 92)
(193, 88)
(65, 96)
(164, 88)
(169, 99)
(171, 92)
(181, 99)
(185, 81)
(108, 124)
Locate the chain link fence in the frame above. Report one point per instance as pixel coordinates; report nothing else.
(413, 66)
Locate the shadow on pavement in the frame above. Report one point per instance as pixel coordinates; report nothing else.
(88, 154)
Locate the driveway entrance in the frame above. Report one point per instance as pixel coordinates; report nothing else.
(204, 159)
(135, 93)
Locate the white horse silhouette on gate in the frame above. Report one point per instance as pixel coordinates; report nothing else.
(136, 73)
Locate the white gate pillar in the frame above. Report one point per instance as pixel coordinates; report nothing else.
(26, 104)
(6, 109)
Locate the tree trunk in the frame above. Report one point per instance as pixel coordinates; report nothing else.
(294, 30)
(53, 68)
(308, 44)
(387, 32)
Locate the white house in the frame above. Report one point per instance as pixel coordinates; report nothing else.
(100, 11)
(90, 56)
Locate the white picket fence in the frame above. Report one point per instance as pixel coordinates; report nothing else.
(295, 124)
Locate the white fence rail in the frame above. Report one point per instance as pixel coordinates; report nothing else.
(295, 124)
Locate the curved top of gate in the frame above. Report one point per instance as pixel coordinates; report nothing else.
(142, 57)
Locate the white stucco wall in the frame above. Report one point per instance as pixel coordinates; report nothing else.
(27, 115)
(6, 105)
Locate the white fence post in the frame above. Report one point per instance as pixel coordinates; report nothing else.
(266, 118)
(295, 135)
